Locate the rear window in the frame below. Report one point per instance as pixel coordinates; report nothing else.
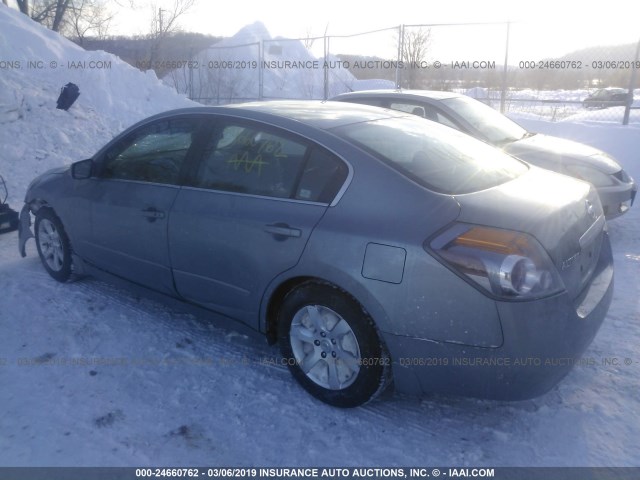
(496, 128)
(435, 156)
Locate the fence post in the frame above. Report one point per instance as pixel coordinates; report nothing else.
(503, 93)
(325, 78)
(190, 78)
(632, 84)
(260, 72)
(400, 50)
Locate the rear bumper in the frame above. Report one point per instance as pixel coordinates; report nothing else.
(543, 341)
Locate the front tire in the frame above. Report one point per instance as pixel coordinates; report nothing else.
(331, 346)
(53, 245)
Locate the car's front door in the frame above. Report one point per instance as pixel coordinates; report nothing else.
(247, 213)
(130, 201)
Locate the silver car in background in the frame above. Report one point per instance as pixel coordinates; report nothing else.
(374, 246)
(616, 188)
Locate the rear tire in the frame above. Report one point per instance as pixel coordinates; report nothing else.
(331, 346)
(53, 245)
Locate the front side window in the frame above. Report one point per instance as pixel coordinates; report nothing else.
(439, 158)
(155, 153)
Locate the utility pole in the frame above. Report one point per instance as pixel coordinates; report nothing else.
(503, 92)
(632, 85)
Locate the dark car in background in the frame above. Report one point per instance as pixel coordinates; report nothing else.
(607, 97)
(615, 187)
(374, 246)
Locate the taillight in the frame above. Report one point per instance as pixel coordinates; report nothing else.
(504, 263)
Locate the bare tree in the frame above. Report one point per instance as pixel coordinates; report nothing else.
(73, 18)
(164, 22)
(309, 39)
(415, 45)
(23, 6)
(58, 16)
(88, 17)
(50, 13)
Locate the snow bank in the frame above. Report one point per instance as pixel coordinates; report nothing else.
(34, 135)
(233, 70)
(612, 115)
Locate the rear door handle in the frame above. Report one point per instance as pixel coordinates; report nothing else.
(283, 230)
(152, 214)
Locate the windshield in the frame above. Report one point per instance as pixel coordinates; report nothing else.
(489, 124)
(437, 157)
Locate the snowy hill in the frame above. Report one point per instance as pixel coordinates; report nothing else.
(37, 63)
(230, 70)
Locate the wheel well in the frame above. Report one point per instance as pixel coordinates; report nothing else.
(278, 296)
(276, 301)
(286, 287)
(36, 204)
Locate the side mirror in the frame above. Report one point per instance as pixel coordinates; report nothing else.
(82, 169)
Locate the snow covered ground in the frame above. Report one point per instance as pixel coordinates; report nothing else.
(94, 374)
(555, 105)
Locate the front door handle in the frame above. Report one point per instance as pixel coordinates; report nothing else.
(283, 230)
(152, 214)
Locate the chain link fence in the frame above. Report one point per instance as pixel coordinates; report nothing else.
(210, 77)
(481, 60)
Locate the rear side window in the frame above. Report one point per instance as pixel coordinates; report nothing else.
(258, 161)
(323, 176)
(439, 158)
(250, 160)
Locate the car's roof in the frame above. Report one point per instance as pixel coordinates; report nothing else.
(315, 113)
(431, 94)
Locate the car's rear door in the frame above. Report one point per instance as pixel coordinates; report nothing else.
(130, 199)
(246, 213)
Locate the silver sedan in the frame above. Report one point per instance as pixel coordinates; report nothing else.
(377, 248)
